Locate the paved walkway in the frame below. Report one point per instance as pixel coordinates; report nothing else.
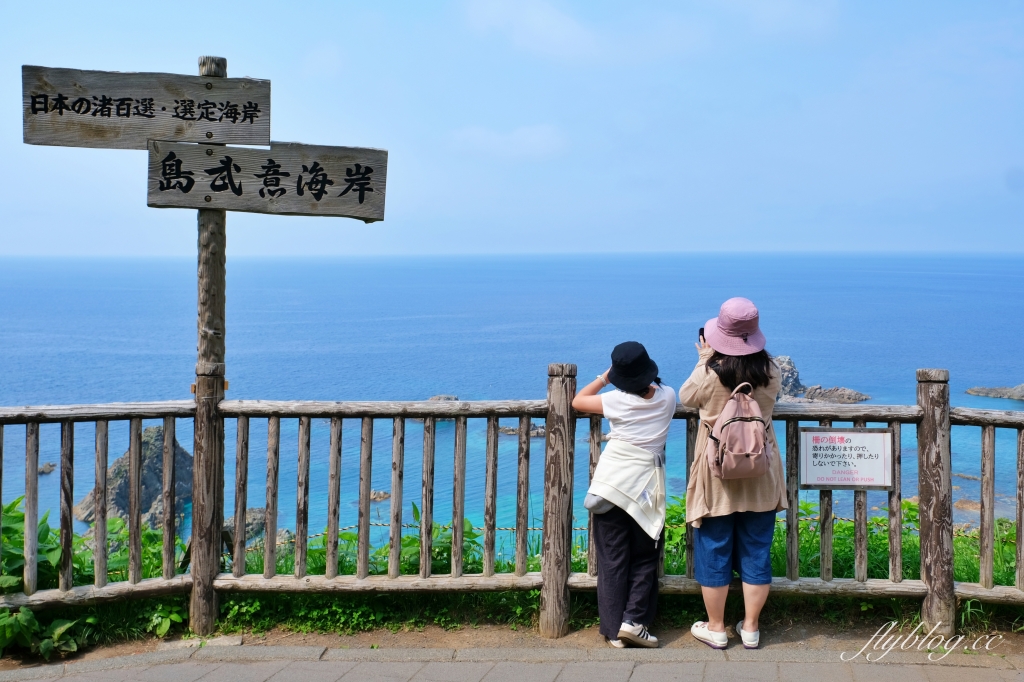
(319, 664)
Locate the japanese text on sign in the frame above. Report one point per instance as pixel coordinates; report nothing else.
(845, 458)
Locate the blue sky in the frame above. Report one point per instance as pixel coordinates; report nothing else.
(556, 127)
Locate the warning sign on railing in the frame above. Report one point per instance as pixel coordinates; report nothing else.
(845, 459)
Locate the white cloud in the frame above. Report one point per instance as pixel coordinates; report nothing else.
(525, 141)
(535, 26)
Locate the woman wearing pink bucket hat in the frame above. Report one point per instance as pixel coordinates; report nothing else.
(733, 519)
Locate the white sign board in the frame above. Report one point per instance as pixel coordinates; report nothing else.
(845, 459)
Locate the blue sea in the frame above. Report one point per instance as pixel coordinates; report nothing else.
(99, 330)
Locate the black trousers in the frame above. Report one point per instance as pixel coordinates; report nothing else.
(627, 571)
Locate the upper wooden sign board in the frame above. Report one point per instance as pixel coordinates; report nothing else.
(287, 179)
(72, 108)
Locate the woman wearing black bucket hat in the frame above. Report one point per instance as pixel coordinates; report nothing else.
(627, 493)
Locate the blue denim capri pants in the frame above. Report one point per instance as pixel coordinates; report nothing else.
(741, 542)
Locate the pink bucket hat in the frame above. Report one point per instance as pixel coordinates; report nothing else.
(735, 331)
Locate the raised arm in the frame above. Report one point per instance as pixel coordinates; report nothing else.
(587, 400)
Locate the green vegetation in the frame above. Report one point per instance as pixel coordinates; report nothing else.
(66, 630)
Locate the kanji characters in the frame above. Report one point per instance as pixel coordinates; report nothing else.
(81, 106)
(317, 183)
(358, 180)
(60, 104)
(144, 107)
(102, 106)
(173, 176)
(250, 112)
(207, 111)
(230, 112)
(123, 107)
(40, 104)
(224, 179)
(185, 109)
(271, 176)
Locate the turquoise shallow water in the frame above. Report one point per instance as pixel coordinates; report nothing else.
(486, 328)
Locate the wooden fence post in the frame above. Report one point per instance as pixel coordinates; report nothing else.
(560, 438)
(208, 457)
(936, 501)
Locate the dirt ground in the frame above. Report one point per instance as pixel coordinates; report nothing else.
(821, 637)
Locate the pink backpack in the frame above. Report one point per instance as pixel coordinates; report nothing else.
(736, 445)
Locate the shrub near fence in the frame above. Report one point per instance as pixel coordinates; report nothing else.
(910, 552)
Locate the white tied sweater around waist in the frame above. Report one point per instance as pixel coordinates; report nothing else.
(632, 479)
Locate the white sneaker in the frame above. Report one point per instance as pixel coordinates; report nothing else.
(617, 643)
(750, 639)
(637, 635)
(715, 640)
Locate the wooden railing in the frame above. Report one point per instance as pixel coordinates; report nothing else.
(932, 417)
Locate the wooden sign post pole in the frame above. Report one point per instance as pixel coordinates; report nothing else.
(208, 458)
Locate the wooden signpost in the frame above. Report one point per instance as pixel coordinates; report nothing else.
(164, 113)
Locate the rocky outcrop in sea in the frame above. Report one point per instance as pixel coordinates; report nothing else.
(152, 483)
(792, 388)
(1008, 392)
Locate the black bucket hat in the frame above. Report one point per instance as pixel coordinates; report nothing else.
(632, 368)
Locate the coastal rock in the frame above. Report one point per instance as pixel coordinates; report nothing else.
(47, 468)
(379, 495)
(791, 385)
(443, 397)
(963, 504)
(152, 483)
(792, 388)
(836, 394)
(1010, 392)
(285, 537)
(535, 431)
(255, 522)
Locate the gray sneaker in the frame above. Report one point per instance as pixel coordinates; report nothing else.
(637, 635)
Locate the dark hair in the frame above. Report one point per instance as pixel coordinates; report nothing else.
(733, 370)
(642, 392)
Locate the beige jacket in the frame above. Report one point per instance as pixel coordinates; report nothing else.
(710, 496)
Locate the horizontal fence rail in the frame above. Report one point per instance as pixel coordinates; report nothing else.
(373, 571)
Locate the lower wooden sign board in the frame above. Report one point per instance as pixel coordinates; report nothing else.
(845, 459)
(287, 179)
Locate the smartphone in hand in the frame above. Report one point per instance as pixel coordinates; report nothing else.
(700, 334)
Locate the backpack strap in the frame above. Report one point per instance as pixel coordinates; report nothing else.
(745, 383)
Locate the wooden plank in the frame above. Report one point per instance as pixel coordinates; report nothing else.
(986, 533)
(87, 413)
(825, 526)
(523, 497)
(114, 110)
(1020, 510)
(135, 501)
(90, 594)
(241, 495)
(595, 455)
(66, 578)
(458, 496)
(896, 506)
(365, 474)
(427, 498)
(302, 499)
(270, 521)
(560, 440)
(938, 610)
(692, 424)
(287, 179)
(333, 498)
(793, 498)
(845, 413)
(99, 554)
(971, 416)
(490, 495)
(317, 584)
(860, 526)
(441, 409)
(169, 531)
(808, 587)
(397, 484)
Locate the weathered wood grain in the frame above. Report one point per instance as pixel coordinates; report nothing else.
(560, 437)
(793, 499)
(90, 594)
(397, 485)
(313, 180)
(1020, 510)
(523, 497)
(936, 501)
(986, 532)
(825, 526)
(167, 495)
(908, 414)
(142, 107)
(490, 495)
(845, 587)
(458, 496)
(365, 472)
(241, 495)
(31, 548)
(896, 506)
(427, 498)
(860, 526)
(440, 409)
(99, 555)
(135, 501)
(595, 455)
(42, 414)
(66, 578)
(333, 498)
(379, 583)
(692, 424)
(970, 416)
(302, 499)
(270, 522)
